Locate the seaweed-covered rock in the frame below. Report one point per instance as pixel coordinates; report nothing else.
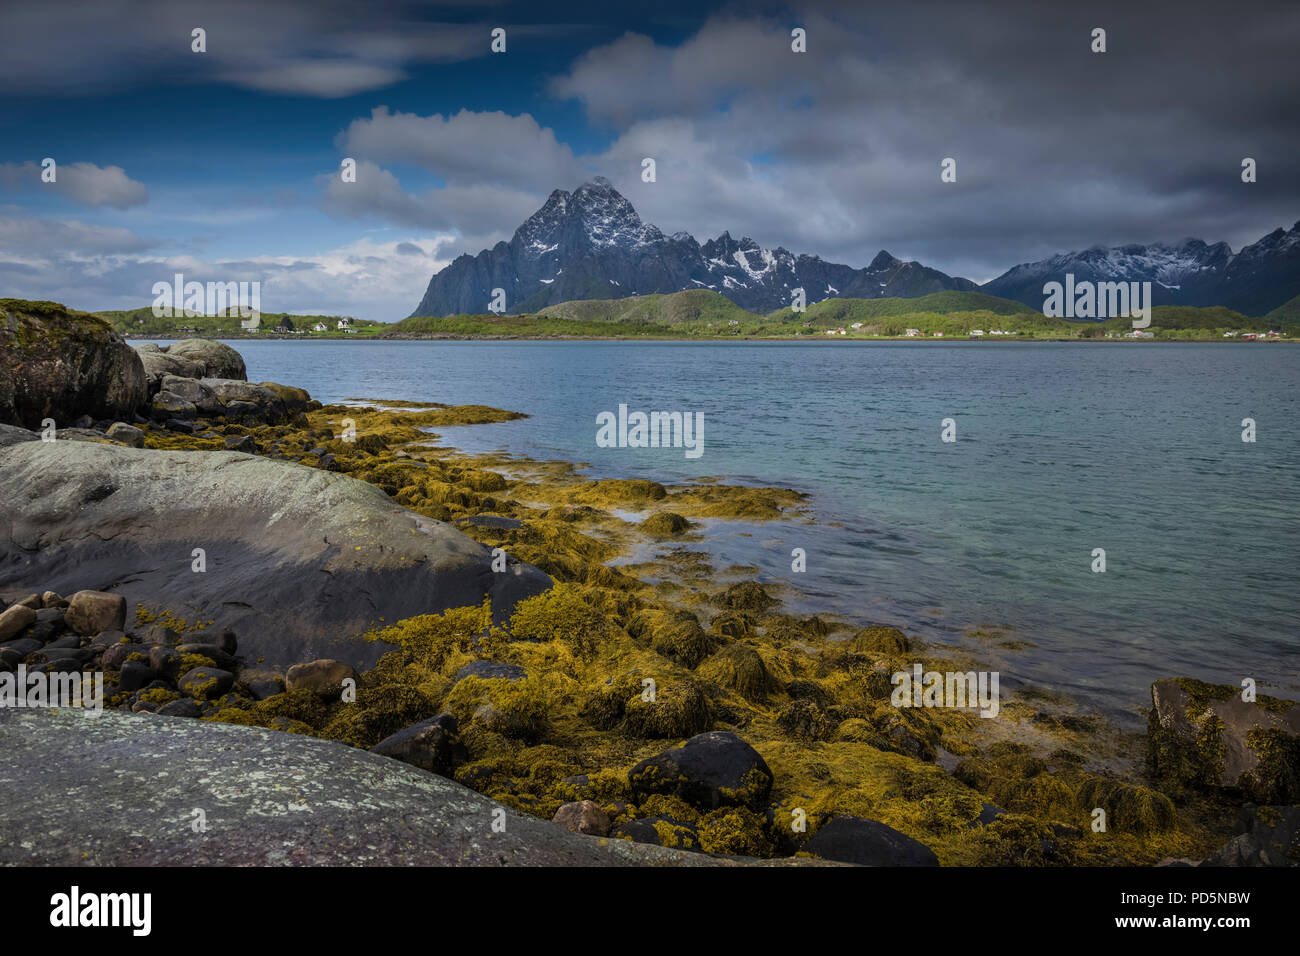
(61, 364)
(848, 839)
(491, 670)
(879, 639)
(710, 770)
(1204, 736)
(205, 683)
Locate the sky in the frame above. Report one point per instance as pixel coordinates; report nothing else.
(224, 165)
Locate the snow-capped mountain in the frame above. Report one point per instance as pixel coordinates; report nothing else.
(1253, 281)
(591, 244)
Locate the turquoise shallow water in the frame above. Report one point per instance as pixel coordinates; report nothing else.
(1061, 448)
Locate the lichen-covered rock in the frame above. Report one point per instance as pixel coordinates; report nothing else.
(848, 839)
(710, 770)
(62, 364)
(279, 799)
(1205, 736)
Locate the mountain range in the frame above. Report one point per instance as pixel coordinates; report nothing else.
(591, 244)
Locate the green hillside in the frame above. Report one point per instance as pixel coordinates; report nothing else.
(848, 311)
(1288, 313)
(143, 322)
(676, 308)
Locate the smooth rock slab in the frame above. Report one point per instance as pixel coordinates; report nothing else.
(271, 799)
(300, 562)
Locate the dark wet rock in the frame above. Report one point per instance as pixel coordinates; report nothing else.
(862, 842)
(90, 612)
(51, 615)
(285, 799)
(24, 646)
(491, 670)
(164, 659)
(583, 816)
(1271, 838)
(431, 745)
(710, 770)
(263, 687)
(213, 653)
(115, 655)
(203, 682)
(134, 675)
(242, 443)
(989, 812)
(185, 707)
(180, 425)
(660, 831)
(494, 521)
(304, 556)
(107, 638)
(62, 364)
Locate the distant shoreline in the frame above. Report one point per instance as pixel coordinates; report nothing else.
(824, 339)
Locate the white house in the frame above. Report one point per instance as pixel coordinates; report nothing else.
(345, 323)
(974, 333)
(912, 333)
(320, 327)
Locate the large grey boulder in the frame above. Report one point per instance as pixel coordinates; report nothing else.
(132, 786)
(158, 365)
(217, 359)
(59, 363)
(298, 561)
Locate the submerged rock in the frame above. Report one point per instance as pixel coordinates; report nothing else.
(299, 562)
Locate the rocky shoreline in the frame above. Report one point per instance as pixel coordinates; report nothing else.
(459, 614)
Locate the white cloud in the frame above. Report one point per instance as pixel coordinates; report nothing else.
(84, 183)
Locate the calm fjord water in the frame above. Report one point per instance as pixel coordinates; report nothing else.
(1062, 448)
